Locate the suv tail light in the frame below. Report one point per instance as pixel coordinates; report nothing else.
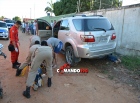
(87, 38)
(113, 37)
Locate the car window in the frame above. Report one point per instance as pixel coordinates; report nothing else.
(42, 25)
(3, 25)
(78, 24)
(92, 24)
(64, 25)
(9, 21)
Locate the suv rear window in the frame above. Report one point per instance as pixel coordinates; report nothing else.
(92, 24)
(3, 25)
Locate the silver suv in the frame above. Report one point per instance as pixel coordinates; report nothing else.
(85, 37)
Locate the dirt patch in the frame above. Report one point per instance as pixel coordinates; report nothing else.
(95, 87)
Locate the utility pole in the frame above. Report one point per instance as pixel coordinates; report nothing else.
(30, 13)
(34, 10)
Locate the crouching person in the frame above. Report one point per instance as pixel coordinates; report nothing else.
(56, 45)
(28, 59)
(40, 54)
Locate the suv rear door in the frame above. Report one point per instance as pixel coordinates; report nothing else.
(64, 31)
(102, 30)
(44, 33)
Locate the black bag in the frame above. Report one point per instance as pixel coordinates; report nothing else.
(11, 47)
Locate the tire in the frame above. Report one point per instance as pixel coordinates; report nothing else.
(1, 93)
(7, 38)
(70, 57)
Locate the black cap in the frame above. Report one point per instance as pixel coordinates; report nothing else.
(44, 43)
(37, 42)
(18, 22)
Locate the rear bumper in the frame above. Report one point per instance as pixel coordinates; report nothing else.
(87, 53)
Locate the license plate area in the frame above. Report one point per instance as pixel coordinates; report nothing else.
(103, 39)
(1, 34)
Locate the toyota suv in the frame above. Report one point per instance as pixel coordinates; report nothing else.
(82, 36)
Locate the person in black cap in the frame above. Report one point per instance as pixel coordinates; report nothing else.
(15, 42)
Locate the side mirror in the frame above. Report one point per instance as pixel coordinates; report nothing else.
(47, 27)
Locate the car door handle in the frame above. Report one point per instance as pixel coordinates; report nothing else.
(67, 34)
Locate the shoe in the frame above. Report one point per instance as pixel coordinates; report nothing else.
(49, 82)
(15, 66)
(18, 72)
(35, 87)
(1, 93)
(27, 92)
(17, 63)
(29, 64)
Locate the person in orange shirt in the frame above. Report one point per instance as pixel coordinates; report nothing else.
(14, 40)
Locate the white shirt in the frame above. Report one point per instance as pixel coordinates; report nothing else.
(51, 24)
(34, 25)
(23, 25)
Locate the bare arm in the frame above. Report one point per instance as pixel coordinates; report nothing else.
(37, 29)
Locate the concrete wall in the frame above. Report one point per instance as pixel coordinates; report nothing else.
(126, 21)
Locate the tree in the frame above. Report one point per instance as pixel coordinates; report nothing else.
(71, 6)
(50, 8)
(2, 17)
(103, 4)
(16, 18)
(65, 7)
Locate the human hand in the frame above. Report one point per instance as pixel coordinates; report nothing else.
(54, 66)
(16, 49)
(19, 43)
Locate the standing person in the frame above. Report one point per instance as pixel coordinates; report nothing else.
(56, 45)
(14, 40)
(54, 23)
(40, 54)
(51, 23)
(27, 28)
(35, 27)
(31, 28)
(23, 27)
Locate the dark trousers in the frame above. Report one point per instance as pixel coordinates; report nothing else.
(23, 30)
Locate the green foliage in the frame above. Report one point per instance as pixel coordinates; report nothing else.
(70, 6)
(132, 63)
(2, 17)
(50, 8)
(106, 4)
(16, 18)
(64, 7)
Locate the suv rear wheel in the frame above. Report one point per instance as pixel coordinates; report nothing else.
(70, 57)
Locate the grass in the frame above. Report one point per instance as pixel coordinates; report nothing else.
(131, 63)
(105, 71)
(110, 77)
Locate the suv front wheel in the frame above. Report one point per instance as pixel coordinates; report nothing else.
(70, 57)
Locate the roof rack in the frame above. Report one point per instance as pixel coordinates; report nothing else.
(82, 15)
(98, 15)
